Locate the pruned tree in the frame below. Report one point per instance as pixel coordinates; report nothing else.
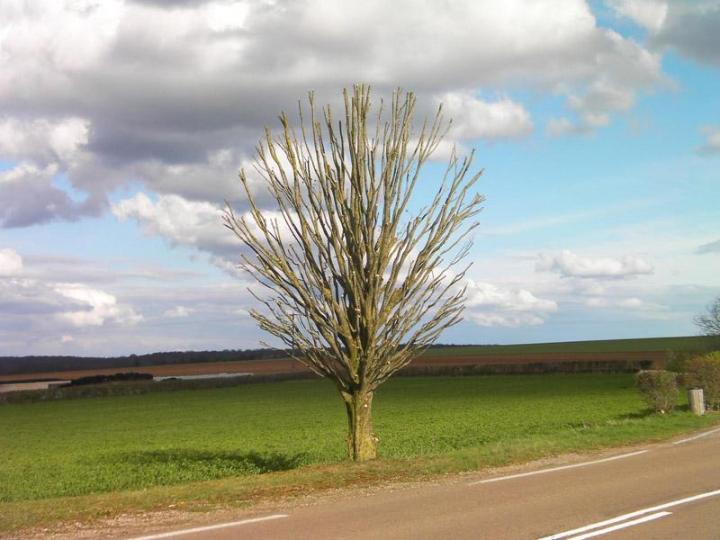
(357, 286)
(709, 323)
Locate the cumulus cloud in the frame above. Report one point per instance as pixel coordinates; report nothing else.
(691, 29)
(176, 95)
(30, 196)
(96, 307)
(492, 305)
(446, 150)
(191, 224)
(32, 320)
(650, 14)
(72, 303)
(569, 264)
(180, 221)
(478, 119)
(593, 109)
(10, 262)
(43, 140)
(20, 297)
(26, 301)
(712, 141)
(688, 26)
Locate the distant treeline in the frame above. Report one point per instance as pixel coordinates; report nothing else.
(33, 364)
(11, 365)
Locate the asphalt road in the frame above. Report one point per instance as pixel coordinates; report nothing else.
(665, 491)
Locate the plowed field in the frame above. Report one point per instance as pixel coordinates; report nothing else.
(265, 367)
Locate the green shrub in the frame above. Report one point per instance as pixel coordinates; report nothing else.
(659, 389)
(677, 360)
(704, 372)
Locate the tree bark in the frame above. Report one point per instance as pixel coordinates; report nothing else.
(362, 442)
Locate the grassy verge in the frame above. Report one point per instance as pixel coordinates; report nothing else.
(79, 460)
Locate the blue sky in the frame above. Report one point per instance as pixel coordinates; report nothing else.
(123, 125)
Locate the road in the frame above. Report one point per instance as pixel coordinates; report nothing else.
(664, 491)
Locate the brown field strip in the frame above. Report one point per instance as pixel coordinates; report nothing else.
(267, 367)
(202, 368)
(538, 358)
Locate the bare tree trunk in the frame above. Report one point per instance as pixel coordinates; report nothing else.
(362, 442)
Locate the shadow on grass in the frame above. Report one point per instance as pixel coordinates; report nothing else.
(646, 413)
(591, 424)
(237, 462)
(638, 415)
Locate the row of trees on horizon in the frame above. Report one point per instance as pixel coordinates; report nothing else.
(12, 365)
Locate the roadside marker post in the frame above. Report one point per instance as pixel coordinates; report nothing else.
(696, 399)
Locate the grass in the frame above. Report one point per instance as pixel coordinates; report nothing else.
(83, 458)
(686, 343)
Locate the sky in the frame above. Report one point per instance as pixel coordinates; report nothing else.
(123, 126)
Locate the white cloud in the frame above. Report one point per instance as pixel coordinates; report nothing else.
(11, 263)
(29, 197)
(504, 319)
(631, 303)
(180, 221)
(650, 14)
(154, 92)
(477, 119)
(224, 16)
(48, 307)
(67, 36)
(688, 26)
(178, 312)
(712, 141)
(599, 99)
(193, 224)
(34, 315)
(593, 108)
(24, 170)
(445, 150)
(493, 305)
(213, 179)
(568, 264)
(43, 140)
(640, 307)
(564, 126)
(98, 307)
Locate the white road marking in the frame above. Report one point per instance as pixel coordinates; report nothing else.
(562, 468)
(632, 523)
(697, 436)
(631, 515)
(210, 527)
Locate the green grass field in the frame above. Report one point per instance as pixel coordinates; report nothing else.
(686, 343)
(79, 447)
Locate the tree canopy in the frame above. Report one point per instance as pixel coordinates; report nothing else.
(355, 282)
(709, 322)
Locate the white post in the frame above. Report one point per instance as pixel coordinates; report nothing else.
(696, 399)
